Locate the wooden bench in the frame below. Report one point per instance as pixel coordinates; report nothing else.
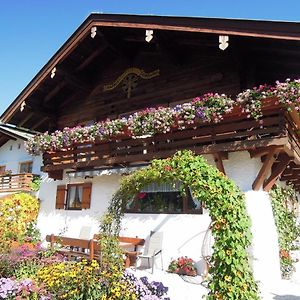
(132, 242)
(72, 247)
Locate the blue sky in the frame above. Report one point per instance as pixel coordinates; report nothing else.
(32, 30)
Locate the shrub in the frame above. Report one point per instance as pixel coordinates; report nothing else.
(16, 212)
(25, 261)
(72, 280)
(83, 280)
(24, 289)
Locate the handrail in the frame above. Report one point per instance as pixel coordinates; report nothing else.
(15, 182)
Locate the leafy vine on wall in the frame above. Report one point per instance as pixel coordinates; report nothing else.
(231, 274)
(284, 201)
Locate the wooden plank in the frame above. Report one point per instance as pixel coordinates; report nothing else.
(201, 29)
(27, 116)
(262, 151)
(294, 175)
(178, 139)
(208, 149)
(91, 57)
(39, 123)
(66, 241)
(265, 169)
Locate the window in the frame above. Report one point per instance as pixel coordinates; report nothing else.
(164, 198)
(73, 196)
(26, 167)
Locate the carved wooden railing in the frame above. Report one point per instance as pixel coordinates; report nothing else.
(15, 182)
(234, 133)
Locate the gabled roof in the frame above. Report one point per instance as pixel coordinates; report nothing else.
(11, 132)
(276, 30)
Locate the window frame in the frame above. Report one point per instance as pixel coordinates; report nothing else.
(68, 190)
(185, 210)
(27, 162)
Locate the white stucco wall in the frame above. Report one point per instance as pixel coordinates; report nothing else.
(264, 249)
(183, 234)
(11, 156)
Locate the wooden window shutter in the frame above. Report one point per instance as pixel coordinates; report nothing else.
(60, 197)
(86, 195)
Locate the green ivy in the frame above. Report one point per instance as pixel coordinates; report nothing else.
(283, 202)
(231, 274)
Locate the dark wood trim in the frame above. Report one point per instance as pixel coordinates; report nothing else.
(27, 118)
(265, 169)
(40, 122)
(259, 152)
(208, 149)
(277, 170)
(219, 161)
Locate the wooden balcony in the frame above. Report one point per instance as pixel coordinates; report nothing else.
(234, 133)
(15, 182)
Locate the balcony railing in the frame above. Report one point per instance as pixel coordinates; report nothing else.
(233, 134)
(15, 182)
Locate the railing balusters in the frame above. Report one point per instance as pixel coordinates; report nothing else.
(15, 182)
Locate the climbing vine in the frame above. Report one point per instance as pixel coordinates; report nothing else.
(231, 275)
(283, 202)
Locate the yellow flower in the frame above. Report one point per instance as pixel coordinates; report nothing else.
(227, 278)
(228, 252)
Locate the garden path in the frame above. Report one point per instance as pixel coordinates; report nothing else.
(182, 290)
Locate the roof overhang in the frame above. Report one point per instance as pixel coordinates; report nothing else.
(233, 27)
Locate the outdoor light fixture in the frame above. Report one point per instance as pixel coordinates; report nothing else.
(53, 72)
(223, 41)
(149, 36)
(93, 32)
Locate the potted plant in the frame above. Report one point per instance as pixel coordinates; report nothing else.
(183, 266)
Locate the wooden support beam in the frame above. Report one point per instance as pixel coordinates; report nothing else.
(265, 169)
(26, 119)
(258, 152)
(39, 123)
(277, 170)
(73, 80)
(91, 57)
(54, 92)
(218, 157)
(42, 111)
(169, 47)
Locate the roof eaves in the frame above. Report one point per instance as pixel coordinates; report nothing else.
(190, 24)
